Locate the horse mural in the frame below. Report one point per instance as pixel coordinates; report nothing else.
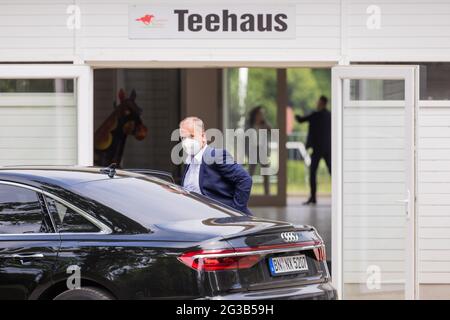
(111, 136)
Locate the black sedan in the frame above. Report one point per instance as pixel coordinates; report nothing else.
(87, 233)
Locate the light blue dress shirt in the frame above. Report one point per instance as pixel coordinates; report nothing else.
(191, 180)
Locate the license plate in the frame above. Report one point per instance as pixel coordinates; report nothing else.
(288, 264)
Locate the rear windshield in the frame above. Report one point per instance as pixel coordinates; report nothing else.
(152, 202)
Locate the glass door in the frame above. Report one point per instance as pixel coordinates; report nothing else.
(254, 122)
(374, 184)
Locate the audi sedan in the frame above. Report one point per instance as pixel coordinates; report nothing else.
(90, 233)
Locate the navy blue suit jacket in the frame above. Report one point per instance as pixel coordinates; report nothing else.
(222, 179)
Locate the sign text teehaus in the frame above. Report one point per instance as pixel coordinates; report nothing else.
(211, 22)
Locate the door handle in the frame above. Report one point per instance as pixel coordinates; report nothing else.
(26, 256)
(23, 256)
(406, 202)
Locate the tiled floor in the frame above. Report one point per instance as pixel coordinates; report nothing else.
(318, 216)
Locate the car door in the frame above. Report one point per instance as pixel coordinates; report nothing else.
(86, 251)
(28, 244)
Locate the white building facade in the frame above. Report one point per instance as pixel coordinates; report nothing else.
(391, 107)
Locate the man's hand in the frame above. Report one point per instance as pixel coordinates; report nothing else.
(302, 119)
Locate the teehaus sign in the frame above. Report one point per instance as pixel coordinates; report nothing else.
(213, 22)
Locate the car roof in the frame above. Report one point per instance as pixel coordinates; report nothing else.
(62, 176)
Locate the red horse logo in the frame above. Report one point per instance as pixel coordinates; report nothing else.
(147, 19)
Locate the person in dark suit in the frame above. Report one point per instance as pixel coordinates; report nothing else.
(211, 171)
(319, 139)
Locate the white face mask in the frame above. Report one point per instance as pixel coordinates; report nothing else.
(191, 146)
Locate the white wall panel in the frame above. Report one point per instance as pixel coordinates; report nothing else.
(373, 182)
(38, 32)
(35, 31)
(45, 133)
(433, 201)
(409, 31)
(41, 30)
(375, 255)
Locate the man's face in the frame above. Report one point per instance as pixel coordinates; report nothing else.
(320, 105)
(189, 130)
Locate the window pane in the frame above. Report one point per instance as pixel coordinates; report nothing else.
(20, 211)
(150, 203)
(305, 86)
(370, 89)
(251, 103)
(36, 85)
(68, 220)
(435, 81)
(38, 122)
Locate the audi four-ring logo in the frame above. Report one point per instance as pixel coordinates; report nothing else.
(289, 236)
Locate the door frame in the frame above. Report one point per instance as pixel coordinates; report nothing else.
(410, 75)
(84, 97)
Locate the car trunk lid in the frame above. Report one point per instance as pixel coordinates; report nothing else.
(265, 254)
(291, 255)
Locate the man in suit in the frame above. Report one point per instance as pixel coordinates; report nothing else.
(319, 139)
(210, 171)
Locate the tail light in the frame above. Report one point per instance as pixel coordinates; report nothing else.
(216, 260)
(239, 258)
(320, 253)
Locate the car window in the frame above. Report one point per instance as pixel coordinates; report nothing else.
(67, 219)
(21, 211)
(151, 202)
